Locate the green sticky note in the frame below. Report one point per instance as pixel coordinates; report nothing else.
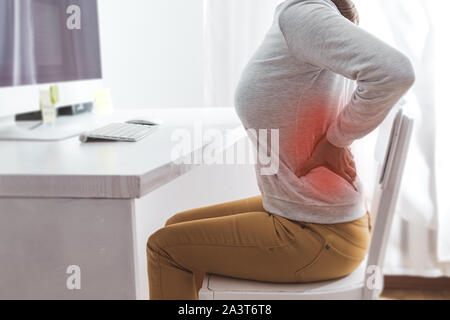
(54, 94)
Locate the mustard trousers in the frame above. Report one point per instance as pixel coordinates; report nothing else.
(240, 239)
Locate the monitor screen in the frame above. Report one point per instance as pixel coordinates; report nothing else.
(48, 41)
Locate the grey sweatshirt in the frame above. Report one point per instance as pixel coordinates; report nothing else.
(316, 74)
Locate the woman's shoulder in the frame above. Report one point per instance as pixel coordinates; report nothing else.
(307, 14)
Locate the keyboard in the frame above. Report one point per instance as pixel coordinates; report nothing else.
(125, 132)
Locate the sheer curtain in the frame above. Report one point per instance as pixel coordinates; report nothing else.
(439, 9)
(419, 243)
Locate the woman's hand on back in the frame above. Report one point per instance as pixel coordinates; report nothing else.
(338, 160)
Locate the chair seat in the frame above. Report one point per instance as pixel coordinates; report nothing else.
(223, 288)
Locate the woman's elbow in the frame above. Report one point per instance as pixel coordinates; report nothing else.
(403, 75)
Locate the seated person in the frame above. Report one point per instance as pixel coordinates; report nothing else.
(309, 223)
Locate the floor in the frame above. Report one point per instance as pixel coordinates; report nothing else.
(416, 288)
(414, 294)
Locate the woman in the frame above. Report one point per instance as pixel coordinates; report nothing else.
(310, 222)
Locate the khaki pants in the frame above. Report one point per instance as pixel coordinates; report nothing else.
(240, 239)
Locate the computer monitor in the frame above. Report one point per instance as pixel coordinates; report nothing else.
(44, 42)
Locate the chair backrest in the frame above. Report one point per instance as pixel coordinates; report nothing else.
(385, 201)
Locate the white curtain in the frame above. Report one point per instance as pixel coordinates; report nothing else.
(439, 9)
(419, 243)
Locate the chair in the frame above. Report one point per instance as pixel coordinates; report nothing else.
(366, 282)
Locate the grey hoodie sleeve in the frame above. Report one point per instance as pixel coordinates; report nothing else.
(316, 33)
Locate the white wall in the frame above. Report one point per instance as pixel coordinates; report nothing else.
(152, 52)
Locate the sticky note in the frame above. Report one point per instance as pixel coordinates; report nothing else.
(103, 101)
(54, 94)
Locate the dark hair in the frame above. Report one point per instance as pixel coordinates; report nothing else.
(348, 10)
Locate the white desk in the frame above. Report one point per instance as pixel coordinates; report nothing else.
(66, 203)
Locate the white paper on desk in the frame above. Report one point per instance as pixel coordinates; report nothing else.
(47, 107)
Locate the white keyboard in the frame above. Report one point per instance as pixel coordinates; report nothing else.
(119, 132)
